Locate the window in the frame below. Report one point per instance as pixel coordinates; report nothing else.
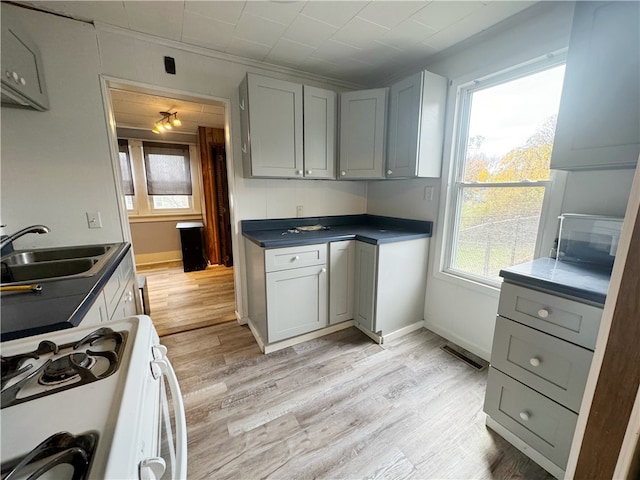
(501, 173)
(159, 178)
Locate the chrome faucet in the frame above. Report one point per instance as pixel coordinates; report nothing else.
(32, 229)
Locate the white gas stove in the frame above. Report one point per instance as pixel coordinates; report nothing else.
(91, 403)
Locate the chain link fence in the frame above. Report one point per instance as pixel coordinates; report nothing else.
(495, 242)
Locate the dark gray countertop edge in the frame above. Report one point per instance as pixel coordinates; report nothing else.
(535, 281)
(93, 290)
(407, 230)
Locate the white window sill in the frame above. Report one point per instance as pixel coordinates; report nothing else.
(162, 217)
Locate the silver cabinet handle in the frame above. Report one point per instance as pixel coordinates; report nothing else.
(309, 172)
(299, 172)
(323, 270)
(297, 257)
(242, 104)
(524, 415)
(343, 173)
(534, 361)
(543, 313)
(244, 148)
(389, 172)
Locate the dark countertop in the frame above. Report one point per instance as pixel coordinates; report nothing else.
(61, 304)
(576, 280)
(371, 229)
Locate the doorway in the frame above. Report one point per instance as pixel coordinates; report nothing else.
(150, 137)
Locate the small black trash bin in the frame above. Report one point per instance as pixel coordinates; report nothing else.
(192, 240)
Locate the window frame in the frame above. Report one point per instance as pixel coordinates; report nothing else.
(457, 185)
(143, 202)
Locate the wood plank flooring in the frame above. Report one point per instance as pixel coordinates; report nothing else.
(336, 407)
(182, 301)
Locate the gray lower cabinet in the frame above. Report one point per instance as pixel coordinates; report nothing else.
(540, 359)
(118, 297)
(287, 290)
(341, 280)
(390, 285)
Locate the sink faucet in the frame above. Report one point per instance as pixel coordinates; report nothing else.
(32, 229)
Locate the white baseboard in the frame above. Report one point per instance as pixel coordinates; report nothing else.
(240, 319)
(274, 347)
(534, 455)
(373, 336)
(403, 331)
(452, 337)
(256, 335)
(143, 259)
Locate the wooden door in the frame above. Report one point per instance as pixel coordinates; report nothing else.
(223, 219)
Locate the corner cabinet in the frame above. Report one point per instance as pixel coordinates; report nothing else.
(288, 130)
(416, 126)
(362, 134)
(542, 350)
(599, 116)
(390, 286)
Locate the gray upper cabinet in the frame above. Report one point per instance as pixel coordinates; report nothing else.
(362, 134)
(599, 116)
(271, 120)
(416, 126)
(22, 73)
(319, 133)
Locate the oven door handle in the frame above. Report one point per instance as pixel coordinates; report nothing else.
(180, 418)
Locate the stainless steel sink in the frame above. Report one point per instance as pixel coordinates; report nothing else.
(48, 264)
(49, 254)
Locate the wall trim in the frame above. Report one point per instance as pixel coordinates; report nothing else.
(274, 347)
(143, 259)
(224, 56)
(403, 331)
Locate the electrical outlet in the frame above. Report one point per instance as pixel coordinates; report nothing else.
(300, 211)
(94, 220)
(428, 193)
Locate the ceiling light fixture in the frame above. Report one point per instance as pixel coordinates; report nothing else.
(167, 122)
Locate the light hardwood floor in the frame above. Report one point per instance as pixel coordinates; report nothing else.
(336, 407)
(182, 301)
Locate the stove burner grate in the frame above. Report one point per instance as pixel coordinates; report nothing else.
(63, 367)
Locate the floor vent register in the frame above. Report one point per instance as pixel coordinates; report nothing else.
(467, 357)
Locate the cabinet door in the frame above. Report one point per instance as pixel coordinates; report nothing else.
(127, 304)
(365, 285)
(275, 127)
(341, 281)
(404, 123)
(362, 133)
(319, 133)
(296, 302)
(21, 66)
(599, 116)
(97, 313)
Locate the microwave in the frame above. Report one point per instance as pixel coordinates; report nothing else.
(589, 239)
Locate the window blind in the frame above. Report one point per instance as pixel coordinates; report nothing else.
(168, 169)
(125, 167)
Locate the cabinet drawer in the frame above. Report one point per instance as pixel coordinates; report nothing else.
(551, 366)
(540, 422)
(573, 321)
(295, 257)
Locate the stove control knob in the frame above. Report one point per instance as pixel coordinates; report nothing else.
(152, 468)
(156, 370)
(158, 352)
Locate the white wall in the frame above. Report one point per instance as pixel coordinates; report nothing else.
(56, 164)
(462, 311)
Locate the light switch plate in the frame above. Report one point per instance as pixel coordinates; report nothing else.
(94, 220)
(300, 211)
(428, 193)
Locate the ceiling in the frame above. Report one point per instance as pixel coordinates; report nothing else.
(346, 40)
(141, 111)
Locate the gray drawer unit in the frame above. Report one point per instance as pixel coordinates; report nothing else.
(551, 366)
(295, 257)
(570, 320)
(540, 422)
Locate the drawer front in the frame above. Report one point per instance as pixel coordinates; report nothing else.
(551, 366)
(295, 257)
(573, 321)
(541, 423)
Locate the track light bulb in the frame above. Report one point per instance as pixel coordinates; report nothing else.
(176, 121)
